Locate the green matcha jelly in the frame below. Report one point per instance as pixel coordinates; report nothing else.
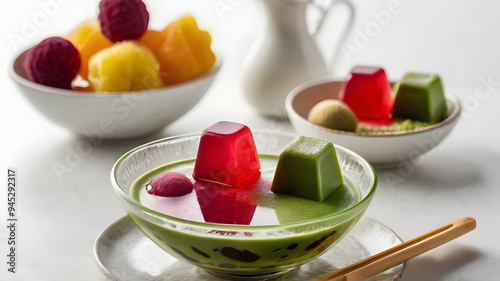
(420, 96)
(244, 251)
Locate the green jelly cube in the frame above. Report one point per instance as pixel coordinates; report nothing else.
(420, 97)
(307, 168)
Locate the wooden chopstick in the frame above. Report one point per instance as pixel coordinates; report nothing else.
(402, 252)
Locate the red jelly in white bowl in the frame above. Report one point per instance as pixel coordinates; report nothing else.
(368, 93)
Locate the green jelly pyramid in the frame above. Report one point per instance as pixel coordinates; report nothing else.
(307, 168)
(420, 97)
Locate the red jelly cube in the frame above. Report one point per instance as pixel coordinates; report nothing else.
(227, 155)
(222, 204)
(368, 93)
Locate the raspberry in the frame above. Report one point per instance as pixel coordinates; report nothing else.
(123, 19)
(53, 62)
(170, 184)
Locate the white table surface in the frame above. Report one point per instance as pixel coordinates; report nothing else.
(59, 218)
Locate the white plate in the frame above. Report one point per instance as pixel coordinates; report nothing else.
(124, 253)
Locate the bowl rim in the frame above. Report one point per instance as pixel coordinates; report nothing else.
(230, 227)
(453, 115)
(20, 57)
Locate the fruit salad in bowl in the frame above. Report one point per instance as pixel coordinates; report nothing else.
(244, 204)
(387, 123)
(115, 77)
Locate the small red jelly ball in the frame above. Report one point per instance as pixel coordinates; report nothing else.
(170, 184)
(53, 62)
(123, 19)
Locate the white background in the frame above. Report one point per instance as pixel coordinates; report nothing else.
(60, 217)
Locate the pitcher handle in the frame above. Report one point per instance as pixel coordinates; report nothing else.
(324, 10)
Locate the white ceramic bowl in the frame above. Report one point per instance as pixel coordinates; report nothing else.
(113, 115)
(379, 148)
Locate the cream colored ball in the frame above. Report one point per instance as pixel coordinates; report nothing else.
(333, 114)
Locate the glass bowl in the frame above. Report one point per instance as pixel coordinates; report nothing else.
(256, 251)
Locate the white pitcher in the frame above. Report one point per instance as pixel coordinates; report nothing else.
(284, 54)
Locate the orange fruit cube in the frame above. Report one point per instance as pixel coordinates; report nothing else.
(182, 49)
